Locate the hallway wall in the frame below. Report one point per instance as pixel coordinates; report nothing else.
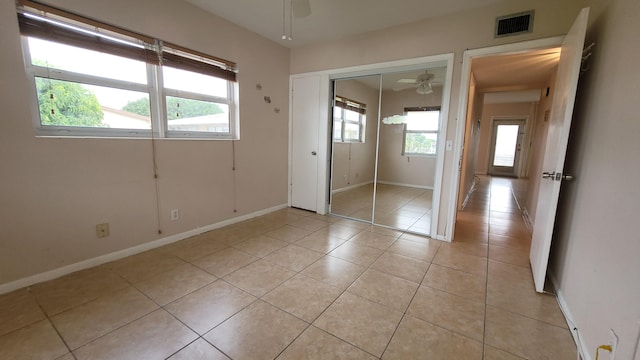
(596, 246)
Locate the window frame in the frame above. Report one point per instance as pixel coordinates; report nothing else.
(405, 131)
(154, 88)
(344, 104)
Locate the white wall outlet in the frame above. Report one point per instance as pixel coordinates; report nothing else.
(175, 214)
(613, 341)
(102, 230)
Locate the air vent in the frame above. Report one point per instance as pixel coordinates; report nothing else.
(514, 24)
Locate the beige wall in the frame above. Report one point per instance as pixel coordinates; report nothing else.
(354, 163)
(539, 133)
(471, 141)
(55, 190)
(472, 29)
(511, 111)
(393, 167)
(596, 247)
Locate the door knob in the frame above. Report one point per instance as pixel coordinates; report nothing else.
(313, 153)
(549, 175)
(567, 177)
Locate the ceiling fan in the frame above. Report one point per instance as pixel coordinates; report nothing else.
(423, 84)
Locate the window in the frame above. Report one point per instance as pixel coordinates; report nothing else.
(421, 131)
(93, 79)
(348, 120)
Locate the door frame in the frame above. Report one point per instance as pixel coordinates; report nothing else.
(492, 144)
(465, 77)
(324, 148)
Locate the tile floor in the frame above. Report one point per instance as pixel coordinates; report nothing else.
(401, 207)
(295, 285)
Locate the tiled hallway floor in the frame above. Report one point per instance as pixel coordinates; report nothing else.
(295, 285)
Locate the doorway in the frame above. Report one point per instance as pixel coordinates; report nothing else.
(551, 155)
(480, 90)
(506, 147)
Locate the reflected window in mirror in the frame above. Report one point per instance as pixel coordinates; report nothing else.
(349, 119)
(421, 131)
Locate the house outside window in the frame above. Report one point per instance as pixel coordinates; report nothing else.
(99, 81)
(421, 131)
(349, 120)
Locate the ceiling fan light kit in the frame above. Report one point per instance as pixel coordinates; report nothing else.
(424, 88)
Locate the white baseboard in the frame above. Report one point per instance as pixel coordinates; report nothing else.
(527, 220)
(425, 187)
(468, 197)
(89, 263)
(351, 187)
(442, 238)
(573, 329)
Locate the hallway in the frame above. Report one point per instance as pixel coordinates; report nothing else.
(517, 319)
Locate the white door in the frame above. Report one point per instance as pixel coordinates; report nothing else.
(556, 147)
(305, 120)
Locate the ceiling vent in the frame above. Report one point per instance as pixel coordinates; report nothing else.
(514, 24)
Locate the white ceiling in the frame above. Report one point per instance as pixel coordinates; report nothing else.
(331, 19)
(335, 19)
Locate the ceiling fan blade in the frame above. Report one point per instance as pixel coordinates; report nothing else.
(301, 8)
(407, 81)
(401, 86)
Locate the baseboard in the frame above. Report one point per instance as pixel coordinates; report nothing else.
(89, 263)
(425, 187)
(442, 238)
(573, 329)
(527, 220)
(468, 197)
(351, 187)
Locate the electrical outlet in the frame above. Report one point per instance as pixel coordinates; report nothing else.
(102, 230)
(613, 341)
(175, 214)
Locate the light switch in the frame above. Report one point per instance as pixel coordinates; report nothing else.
(449, 145)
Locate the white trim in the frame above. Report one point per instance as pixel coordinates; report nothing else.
(527, 220)
(425, 187)
(573, 328)
(442, 238)
(441, 151)
(364, 70)
(325, 140)
(85, 264)
(351, 187)
(471, 190)
(465, 76)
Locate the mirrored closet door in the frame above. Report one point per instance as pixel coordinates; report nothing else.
(386, 174)
(355, 129)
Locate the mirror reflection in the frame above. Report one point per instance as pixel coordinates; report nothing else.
(404, 138)
(409, 134)
(355, 127)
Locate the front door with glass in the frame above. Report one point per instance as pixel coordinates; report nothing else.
(506, 146)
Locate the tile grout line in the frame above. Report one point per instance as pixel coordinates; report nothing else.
(35, 298)
(404, 314)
